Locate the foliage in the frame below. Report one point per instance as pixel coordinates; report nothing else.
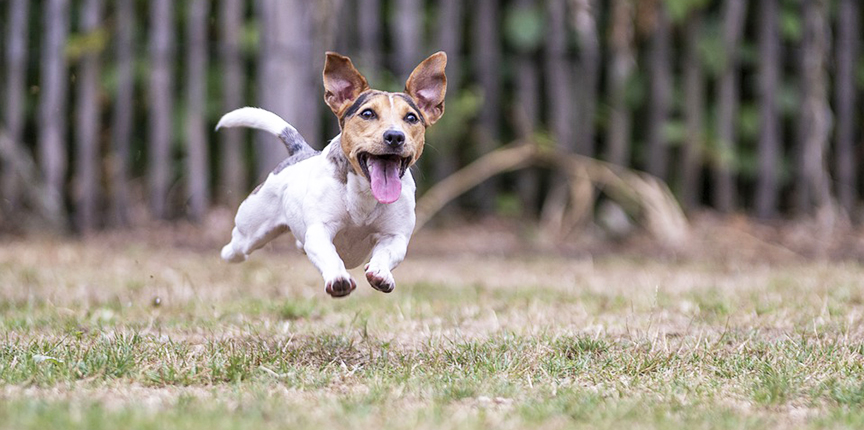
(524, 28)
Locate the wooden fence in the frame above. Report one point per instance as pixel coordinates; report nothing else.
(739, 105)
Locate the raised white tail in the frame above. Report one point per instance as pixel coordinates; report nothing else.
(268, 121)
(254, 118)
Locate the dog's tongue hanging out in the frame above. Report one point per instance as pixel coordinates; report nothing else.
(384, 175)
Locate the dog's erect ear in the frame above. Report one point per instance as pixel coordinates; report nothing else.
(427, 86)
(342, 82)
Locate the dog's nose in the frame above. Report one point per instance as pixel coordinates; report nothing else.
(394, 138)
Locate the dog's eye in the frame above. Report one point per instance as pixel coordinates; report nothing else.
(367, 114)
(411, 118)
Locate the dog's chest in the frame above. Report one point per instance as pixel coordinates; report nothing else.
(354, 244)
(362, 209)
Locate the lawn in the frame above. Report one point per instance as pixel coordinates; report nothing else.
(141, 331)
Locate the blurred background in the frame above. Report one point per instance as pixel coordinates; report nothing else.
(740, 107)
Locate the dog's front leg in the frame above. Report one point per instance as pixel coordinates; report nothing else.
(389, 251)
(320, 250)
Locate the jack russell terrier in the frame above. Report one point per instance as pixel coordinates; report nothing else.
(356, 196)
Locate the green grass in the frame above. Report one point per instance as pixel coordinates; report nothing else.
(97, 336)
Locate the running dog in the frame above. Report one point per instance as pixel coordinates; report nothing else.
(355, 198)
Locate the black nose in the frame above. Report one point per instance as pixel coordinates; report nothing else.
(394, 138)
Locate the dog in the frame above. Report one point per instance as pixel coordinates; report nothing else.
(354, 198)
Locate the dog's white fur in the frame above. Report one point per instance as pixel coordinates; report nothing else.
(329, 209)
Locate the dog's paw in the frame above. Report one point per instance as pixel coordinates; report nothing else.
(340, 287)
(230, 255)
(380, 279)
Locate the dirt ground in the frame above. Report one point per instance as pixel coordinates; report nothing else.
(745, 325)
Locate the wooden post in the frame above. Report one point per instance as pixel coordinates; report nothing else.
(53, 103)
(161, 109)
(734, 14)
(87, 131)
(622, 59)
(816, 114)
(485, 39)
(660, 102)
(767, 189)
(694, 115)
(846, 57)
(232, 179)
(527, 115)
(285, 75)
(197, 159)
(16, 77)
(121, 122)
(407, 26)
(588, 76)
(560, 106)
(369, 37)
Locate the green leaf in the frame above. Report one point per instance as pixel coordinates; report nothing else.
(524, 28)
(679, 10)
(791, 23)
(80, 44)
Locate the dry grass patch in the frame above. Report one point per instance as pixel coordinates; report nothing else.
(124, 334)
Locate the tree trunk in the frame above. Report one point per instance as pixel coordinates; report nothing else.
(769, 138)
(619, 71)
(585, 22)
(271, 88)
(816, 115)
(560, 99)
(448, 38)
(52, 105)
(285, 74)
(197, 173)
(487, 63)
(161, 109)
(846, 48)
(369, 37)
(16, 78)
(232, 184)
(121, 125)
(659, 56)
(325, 26)
(694, 114)
(87, 124)
(407, 26)
(727, 111)
(526, 118)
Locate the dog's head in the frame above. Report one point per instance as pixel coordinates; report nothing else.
(383, 133)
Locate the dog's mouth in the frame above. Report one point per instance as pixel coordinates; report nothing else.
(384, 172)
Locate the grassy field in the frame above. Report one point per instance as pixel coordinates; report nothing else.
(128, 333)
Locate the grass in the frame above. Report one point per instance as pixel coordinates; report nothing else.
(125, 335)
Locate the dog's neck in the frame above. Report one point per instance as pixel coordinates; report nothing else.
(359, 193)
(336, 156)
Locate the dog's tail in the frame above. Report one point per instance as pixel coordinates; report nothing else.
(269, 122)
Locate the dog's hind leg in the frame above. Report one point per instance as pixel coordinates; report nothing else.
(259, 220)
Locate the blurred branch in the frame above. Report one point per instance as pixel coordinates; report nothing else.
(658, 210)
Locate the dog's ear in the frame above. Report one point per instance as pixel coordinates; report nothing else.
(342, 82)
(427, 86)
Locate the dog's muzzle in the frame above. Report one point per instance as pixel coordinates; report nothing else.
(384, 172)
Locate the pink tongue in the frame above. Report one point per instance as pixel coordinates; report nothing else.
(386, 186)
